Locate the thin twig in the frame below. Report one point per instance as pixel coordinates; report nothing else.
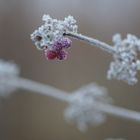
(39, 88)
(92, 41)
(119, 112)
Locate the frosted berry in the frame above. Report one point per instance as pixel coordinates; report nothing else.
(62, 55)
(57, 46)
(66, 42)
(50, 54)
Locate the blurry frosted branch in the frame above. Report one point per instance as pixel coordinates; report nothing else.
(37, 87)
(88, 105)
(11, 81)
(50, 38)
(8, 72)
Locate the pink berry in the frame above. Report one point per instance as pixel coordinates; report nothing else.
(62, 55)
(50, 54)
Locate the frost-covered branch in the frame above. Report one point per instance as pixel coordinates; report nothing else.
(88, 105)
(92, 41)
(52, 38)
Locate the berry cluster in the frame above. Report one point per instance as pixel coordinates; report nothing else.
(58, 49)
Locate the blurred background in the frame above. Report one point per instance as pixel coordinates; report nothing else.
(29, 116)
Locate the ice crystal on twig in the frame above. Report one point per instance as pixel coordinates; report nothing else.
(83, 109)
(126, 62)
(8, 72)
(50, 35)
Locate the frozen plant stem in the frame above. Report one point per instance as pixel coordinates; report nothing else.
(39, 88)
(92, 41)
(50, 91)
(119, 112)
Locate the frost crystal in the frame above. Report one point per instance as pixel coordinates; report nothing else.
(50, 36)
(126, 62)
(8, 71)
(83, 109)
(52, 30)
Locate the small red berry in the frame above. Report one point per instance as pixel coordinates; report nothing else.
(50, 54)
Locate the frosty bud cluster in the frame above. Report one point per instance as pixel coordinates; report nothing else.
(50, 37)
(126, 62)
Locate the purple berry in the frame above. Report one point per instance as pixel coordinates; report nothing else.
(62, 55)
(61, 43)
(57, 46)
(66, 42)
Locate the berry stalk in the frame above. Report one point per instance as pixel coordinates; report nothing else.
(92, 41)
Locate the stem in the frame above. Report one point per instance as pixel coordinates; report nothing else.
(119, 112)
(92, 41)
(64, 96)
(40, 88)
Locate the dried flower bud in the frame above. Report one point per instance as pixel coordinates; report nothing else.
(83, 109)
(125, 64)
